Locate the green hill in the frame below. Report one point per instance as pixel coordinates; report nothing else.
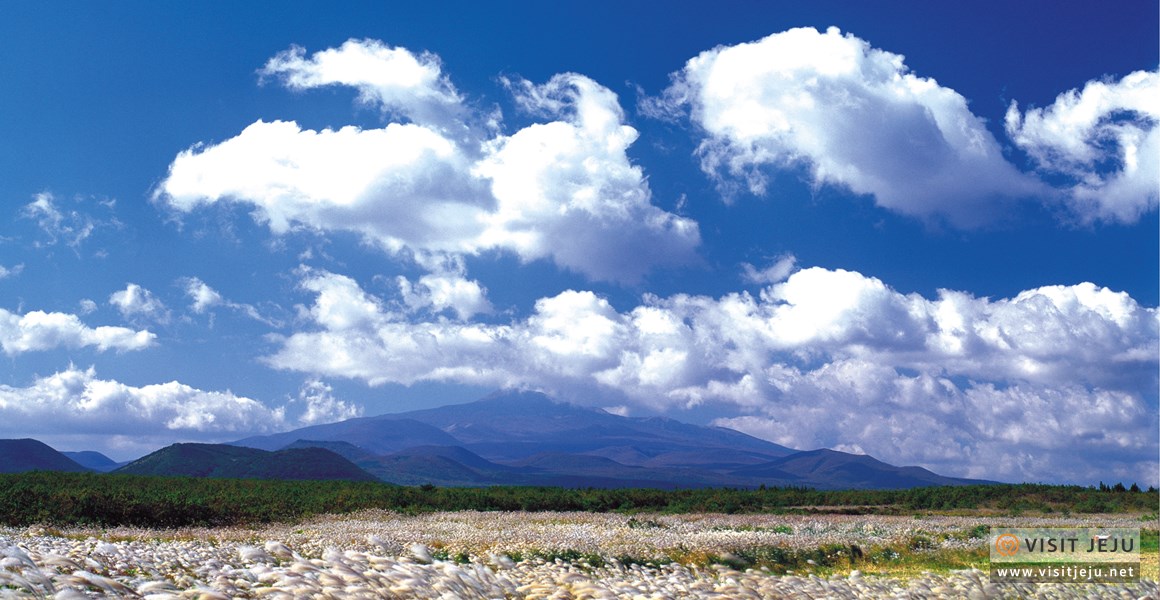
(17, 456)
(222, 461)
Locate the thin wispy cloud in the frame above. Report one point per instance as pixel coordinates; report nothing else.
(69, 227)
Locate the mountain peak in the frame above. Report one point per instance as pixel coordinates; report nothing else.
(520, 399)
(518, 403)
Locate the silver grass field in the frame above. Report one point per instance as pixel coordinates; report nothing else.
(377, 554)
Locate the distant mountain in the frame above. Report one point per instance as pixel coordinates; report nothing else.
(460, 455)
(510, 426)
(409, 469)
(830, 469)
(456, 466)
(18, 456)
(525, 438)
(706, 458)
(93, 460)
(491, 441)
(380, 435)
(223, 461)
(514, 425)
(346, 450)
(614, 474)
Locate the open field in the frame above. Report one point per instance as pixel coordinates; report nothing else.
(539, 555)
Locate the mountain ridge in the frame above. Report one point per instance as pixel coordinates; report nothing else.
(527, 438)
(507, 438)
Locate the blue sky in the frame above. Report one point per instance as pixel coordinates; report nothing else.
(922, 231)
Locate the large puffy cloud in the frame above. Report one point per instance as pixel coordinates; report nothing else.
(38, 330)
(567, 190)
(853, 115)
(1015, 432)
(399, 186)
(361, 337)
(563, 190)
(77, 403)
(673, 347)
(1105, 137)
(824, 358)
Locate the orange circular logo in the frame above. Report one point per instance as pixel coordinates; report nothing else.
(1007, 544)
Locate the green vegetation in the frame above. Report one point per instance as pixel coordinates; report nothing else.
(236, 462)
(1149, 540)
(86, 498)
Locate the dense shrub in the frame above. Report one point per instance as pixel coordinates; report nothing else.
(87, 498)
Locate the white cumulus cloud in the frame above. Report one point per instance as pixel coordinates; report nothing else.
(135, 302)
(39, 330)
(394, 79)
(823, 358)
(400, 186)
(853, 115)
(76, 401)
(562, 190)
(362, 337)
(445, 288)
(1012, 431)
(202, 295)
(321, 406)
(1106, 138)
(75, 409)
(566, 189)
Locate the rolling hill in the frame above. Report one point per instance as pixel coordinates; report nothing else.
(18, 456)
(815, 468)
(222, 461)
(93, 460)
